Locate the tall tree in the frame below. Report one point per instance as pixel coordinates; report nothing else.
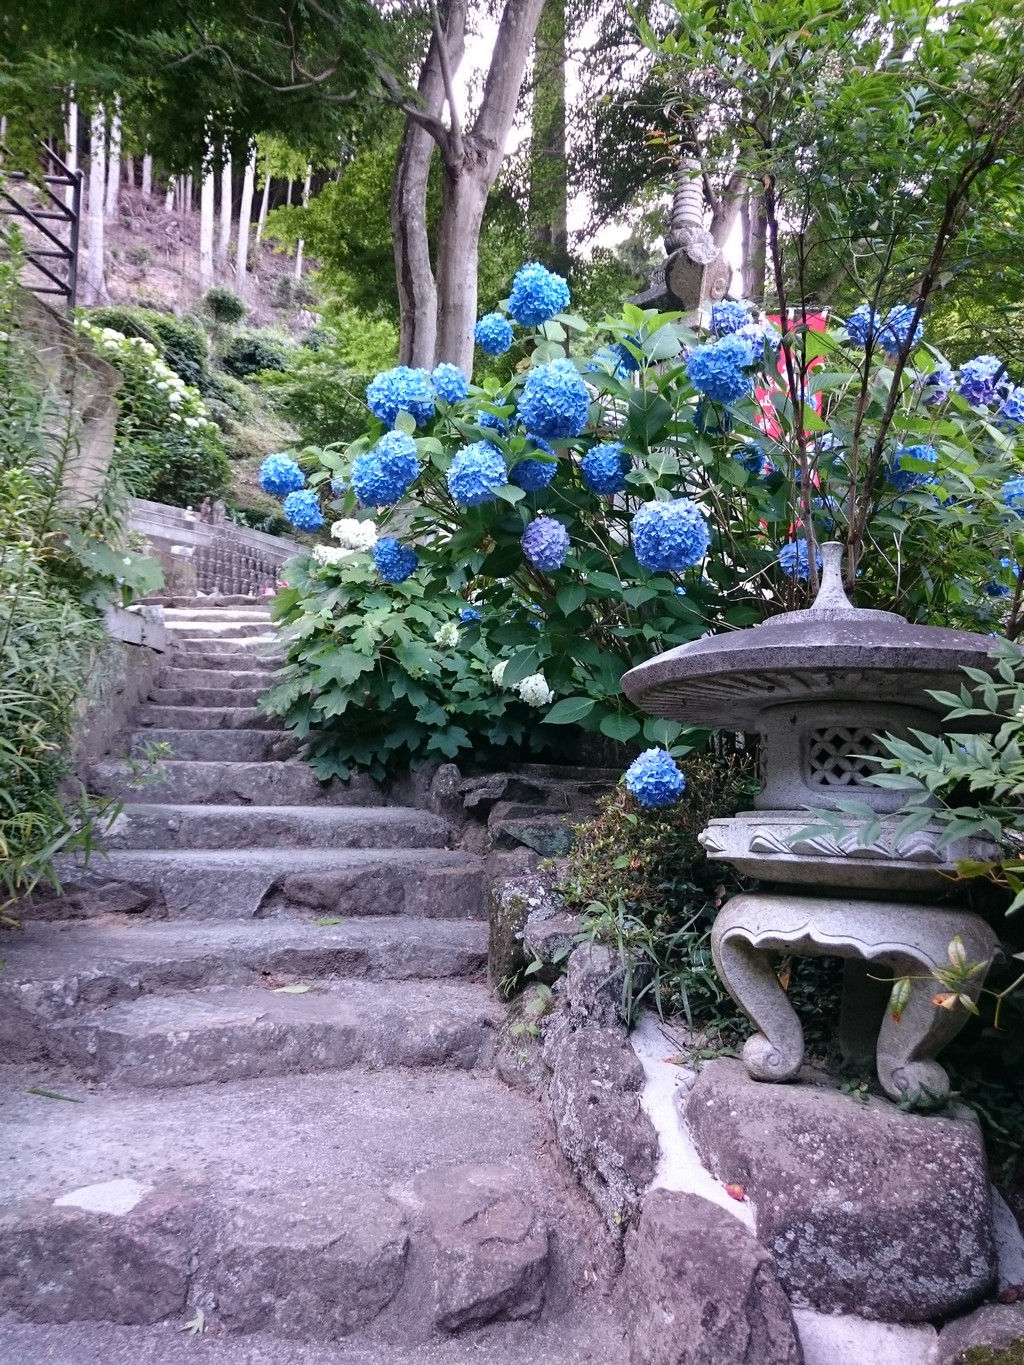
(113, 197)
(549, 170)
(224, 221)
(245, 224)
(94, 288)
(206, 215)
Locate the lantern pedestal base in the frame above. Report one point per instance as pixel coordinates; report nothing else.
(897, 940)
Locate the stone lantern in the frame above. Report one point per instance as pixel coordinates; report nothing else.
(817, 686)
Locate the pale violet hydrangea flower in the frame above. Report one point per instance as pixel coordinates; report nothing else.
(401, 390)
(978, 379)
(534, 690)
(655, 779)
(493, 334)
(447, 635)
(546, 543)
(476, 473)
(355, 535)
(537, 295)
(1012, 409)
(670, 536)
(554, 402)
(894, 334)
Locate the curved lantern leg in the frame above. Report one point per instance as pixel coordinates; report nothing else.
(894, 940)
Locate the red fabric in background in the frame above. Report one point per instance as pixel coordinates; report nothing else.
(769, 420)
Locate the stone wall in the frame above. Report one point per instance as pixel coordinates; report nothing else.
(198, 556)
(123, 673)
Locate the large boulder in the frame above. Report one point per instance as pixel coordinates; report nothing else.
(702, 1291)
(866, 1209)
(604, 1134)
(489, 1250)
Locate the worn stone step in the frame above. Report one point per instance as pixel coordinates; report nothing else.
(286, 827)
(244, 660)
(220, 630)
(262, 646)
(240, 884)
(232, 746)
(180, 674)
(226, 695)
(185, 783)
(207, 718)
(219, 601)
(228, 1033)
(54, 970)
(239, 611)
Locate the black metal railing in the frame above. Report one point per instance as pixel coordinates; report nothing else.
(48, 222)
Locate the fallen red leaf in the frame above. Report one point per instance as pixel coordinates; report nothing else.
(736, 1192)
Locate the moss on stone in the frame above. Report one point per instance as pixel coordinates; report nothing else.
(991, 1355)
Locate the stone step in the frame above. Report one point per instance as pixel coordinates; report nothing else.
(210, 884)
(262, 646)
(182, 675)
(207, 718)
(185, 783)
(54, 970)
(221, 630)
(232, 746)
(219, 602)
(274, 1206)
(226, 1033)
(238, 612)
(226, 695)
(245, 660)
(284, 827)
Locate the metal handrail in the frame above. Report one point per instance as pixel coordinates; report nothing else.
(65, 247)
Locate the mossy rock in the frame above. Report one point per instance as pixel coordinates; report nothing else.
(992, 1355)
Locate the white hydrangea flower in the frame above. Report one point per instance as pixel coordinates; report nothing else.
(498, 673)
(330, 554)
(354, 534)
(447, 636)
(534, 690)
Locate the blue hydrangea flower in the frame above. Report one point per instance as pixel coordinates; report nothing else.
(395, 562)
(903, 478)
(1012, 409)
(302, 509)
(382, 475)
(617, 358)
(537, 295)
(339, 487)
(728, 316)
(476, 473)
(938, 384)
(719, 370)
(996, 589)
(493, 334)
(753, 459)
(468, 615)
(532, 475)
(655, 779)
(894, 333)
(280, 475)
(711, 420)
(978, 379)
(401, 390)
(795, 560)
(546, 543)
(493, 422)
(756, 336)
(862, 325)
(1013, 494)
(554, 401)
(604, 467)
(670, 536)
(449, 383)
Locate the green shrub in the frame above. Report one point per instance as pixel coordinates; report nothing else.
(139, 255)
(185, 349)
(250, 353)
(130, 322)
(323, 402)
(223, 304)
(271, 523)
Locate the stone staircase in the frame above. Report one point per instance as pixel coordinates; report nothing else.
(247, 1069)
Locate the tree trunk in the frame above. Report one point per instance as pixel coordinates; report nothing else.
(172, 186)
(245, 223)
(129, 172)
(224, 238)
(549, 187)
(417, 291)
(261, 222)
(186, 194)
(755, 248)
(71, 145)
(94, 289)
(471, 167)
(114, 169)
(305, 204)
(147, 176)
(206, 202)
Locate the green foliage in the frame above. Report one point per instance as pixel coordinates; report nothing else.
(62, 560)
(366, 673)
(223, 304)
(168, 448)
(647, 889)
(250, 353)
(992, 1355)
(130, 322)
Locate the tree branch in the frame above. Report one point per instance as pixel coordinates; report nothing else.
(441, 38)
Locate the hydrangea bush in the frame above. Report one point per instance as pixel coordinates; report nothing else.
(640, 482)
